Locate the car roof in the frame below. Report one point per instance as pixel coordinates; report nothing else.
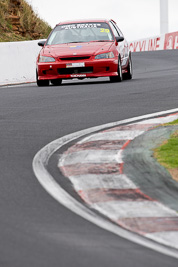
(83, 21)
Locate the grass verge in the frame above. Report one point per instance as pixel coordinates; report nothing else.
(167, 153)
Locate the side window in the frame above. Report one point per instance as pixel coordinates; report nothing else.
(116, 34)
(120, 33)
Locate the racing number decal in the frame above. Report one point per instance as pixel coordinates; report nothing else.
(104, 30)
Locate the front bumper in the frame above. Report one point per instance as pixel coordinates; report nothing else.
(77, 69)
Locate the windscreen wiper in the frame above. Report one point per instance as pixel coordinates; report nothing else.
(102, 41)
(76, 42)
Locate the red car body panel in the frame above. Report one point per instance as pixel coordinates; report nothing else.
(77, 60)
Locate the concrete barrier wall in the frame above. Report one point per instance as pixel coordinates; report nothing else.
(18, 62)
(18, 59)
(161, 42)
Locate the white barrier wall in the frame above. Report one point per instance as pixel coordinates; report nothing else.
(161, 42)
(18, 62)
(18, 59)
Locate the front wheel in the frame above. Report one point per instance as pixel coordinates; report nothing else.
(41, 82)
(117, 78)
(56, 82)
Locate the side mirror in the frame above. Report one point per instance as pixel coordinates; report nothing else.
(119, 39)
(41, 43)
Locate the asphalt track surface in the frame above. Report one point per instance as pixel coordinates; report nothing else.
(37, 231)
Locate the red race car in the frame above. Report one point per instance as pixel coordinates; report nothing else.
(84, 49)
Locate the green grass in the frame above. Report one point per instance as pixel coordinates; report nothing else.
(167, 153)
(173, 123)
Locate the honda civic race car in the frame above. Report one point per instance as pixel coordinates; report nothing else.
(84, 49)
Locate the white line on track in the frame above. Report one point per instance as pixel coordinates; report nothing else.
(17, 85)
(166, 238)
(40, 162)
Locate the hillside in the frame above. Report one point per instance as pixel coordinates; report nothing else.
(18, 22)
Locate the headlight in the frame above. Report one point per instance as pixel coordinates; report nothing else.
(105, 55)
(46, 59)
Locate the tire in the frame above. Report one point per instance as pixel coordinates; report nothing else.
(119, 77)
(56, 82)
(129, 74)
(41, 82)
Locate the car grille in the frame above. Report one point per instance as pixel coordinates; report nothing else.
(73, 58)
(64, 71)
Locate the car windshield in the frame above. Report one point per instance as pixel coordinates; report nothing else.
(80, 32)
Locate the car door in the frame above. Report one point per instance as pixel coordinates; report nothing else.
(122, 46)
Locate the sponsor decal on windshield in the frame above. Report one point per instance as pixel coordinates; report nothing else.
(81, 26)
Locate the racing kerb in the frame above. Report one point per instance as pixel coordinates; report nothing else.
(18, 59)
(94, 165)
(86, 187)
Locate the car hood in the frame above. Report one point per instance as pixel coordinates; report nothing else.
(71, 49)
